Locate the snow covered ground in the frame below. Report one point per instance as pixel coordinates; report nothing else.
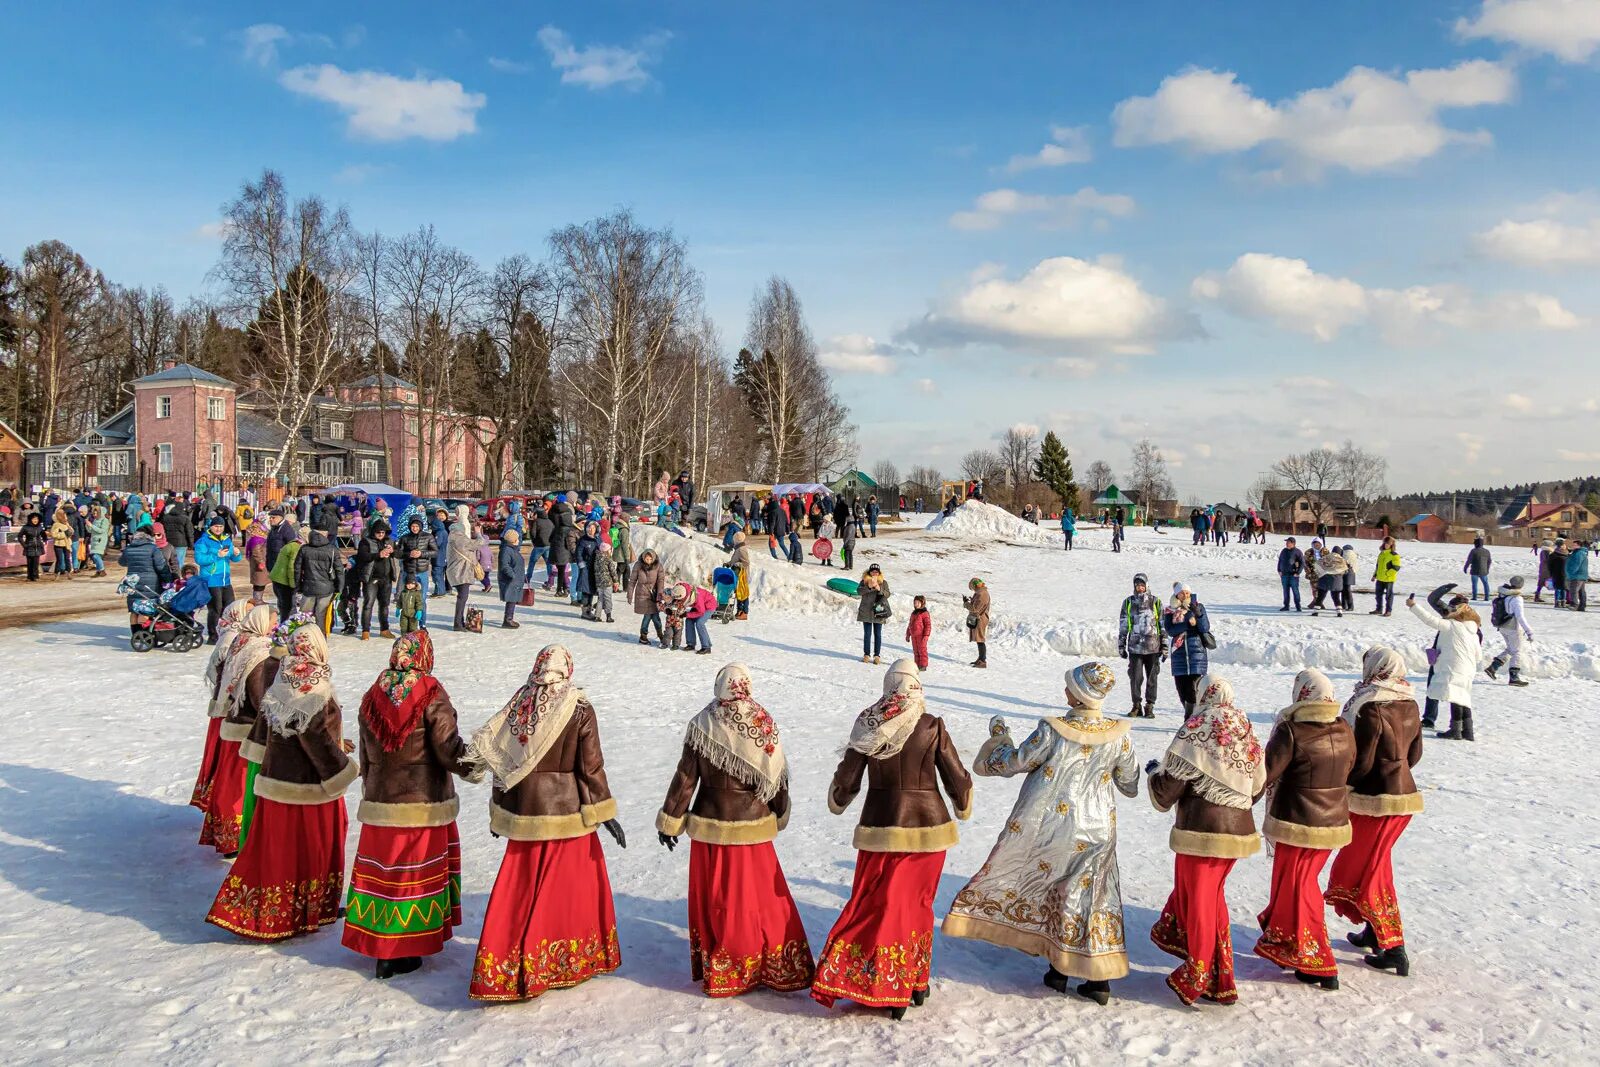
(103, 890)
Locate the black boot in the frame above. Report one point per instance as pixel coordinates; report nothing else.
(1099, 992)
(1516, 679)
(1466, 724)
(1391, 959)
(919, 997)
(403, 965)
(1454, 733)
(1328, 982)
(1056, 980)
(897, 1013)
(1364, 938)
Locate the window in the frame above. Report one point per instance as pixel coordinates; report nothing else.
(1305, 505)
(411, 425)
(369, 470)
(113, 463)
(216, 456)
(55, 465)
(459, 472)
(216, 408)
(411, 470)
(336, 430)
(163, 407)
(332, 466)
(164, 456)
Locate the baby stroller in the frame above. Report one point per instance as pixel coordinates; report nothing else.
(724, 580)
(166, 619)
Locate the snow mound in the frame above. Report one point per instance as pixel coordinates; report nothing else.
(775, 585)
(977, 519)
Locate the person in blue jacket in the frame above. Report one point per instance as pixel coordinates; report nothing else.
(1069, 526)
(1577, 576)
(1187, 624)
(213, 551)
(439, 527)
(147, 563)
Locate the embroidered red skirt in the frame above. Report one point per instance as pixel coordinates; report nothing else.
(289, 878)
(744, 928)
(550, 923)
(880, 950)
(1294, 931)
(405, 891)
(1194, 927)
(201, 797)
(1361, 884)
(225, 813)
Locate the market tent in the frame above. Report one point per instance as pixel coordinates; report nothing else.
(397, 499)
(803, 488)
(718, 495)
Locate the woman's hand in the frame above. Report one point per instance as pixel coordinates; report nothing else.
(667, 840)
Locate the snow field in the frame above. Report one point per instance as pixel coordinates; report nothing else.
(103, 890)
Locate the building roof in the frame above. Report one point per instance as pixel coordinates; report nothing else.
(1420, 517)
(1538, 513)
(4, 426)
(183, 372)
(345, 444)
(1344, 499)
(255, 432)
(371, 381)
(1514, 509)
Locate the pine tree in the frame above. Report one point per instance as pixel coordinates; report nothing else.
(1054, 468)
(1592, 501)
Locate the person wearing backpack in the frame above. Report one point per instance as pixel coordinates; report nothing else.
(1143, 643)
(1505, 615)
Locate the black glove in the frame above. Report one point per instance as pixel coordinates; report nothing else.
(1153, 766)
(614, 828)
(668, 840)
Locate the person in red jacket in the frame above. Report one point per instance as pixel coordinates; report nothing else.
(918, 629)
(699, 603)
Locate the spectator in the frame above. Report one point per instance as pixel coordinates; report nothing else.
(977, 606)
(33, 537)
(872, 612)
(645, 590)
(1506, 617)
(1384, 577)
(1577, 571)
(1069, 526)
(1459, 642)
(1477, 568)
(99, 539)
(316, 577)
(512, 575)
(873, 511)
(377, 572)
(1291, 562)
(1186, 623)
(214, 551)
(440, 528)
(1142, 641)
(461, 561)
(282, 569)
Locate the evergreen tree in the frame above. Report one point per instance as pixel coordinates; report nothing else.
(1592, 501)
(1054, 468)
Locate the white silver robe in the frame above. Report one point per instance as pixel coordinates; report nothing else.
(1050, 886)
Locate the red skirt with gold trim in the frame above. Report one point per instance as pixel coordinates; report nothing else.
(201, 796)
(1361, 883)
(289, 878)
(550, 924)
(405, 891)
(744, 928)
(880, 950)
(1194, 927)
(1294, 930)
(225, 812)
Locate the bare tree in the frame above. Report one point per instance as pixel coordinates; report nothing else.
(982, 465)
(1018, 447)
(778, 373)
(885, 473)
(1147, 473)
(1097, 479)
(1364, 474)
(1312, 474)
(632, 290)
(65, 324)
(926, 482)
(370, 299)
(287, 270)
(1263, 492)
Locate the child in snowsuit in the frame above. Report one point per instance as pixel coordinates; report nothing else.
(673, 608)
(349, 597)
(411, 606)
(849, 545)
(918, 629)
(605, 578)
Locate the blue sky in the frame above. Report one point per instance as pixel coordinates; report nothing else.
(1239, 229)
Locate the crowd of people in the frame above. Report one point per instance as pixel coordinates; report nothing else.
(276, 766)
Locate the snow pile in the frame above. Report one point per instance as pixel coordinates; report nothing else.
(977, 519)
(775, 585)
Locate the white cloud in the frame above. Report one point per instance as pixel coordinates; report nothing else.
(1062, 301)
(356, 173)
(1570, 456)
(1068, 144)
(1471, 446)
(385, 107)
(261, 42)
(1367, 121)
(508, 66)
(926, 386)
(1306, 384)
(1546, 243)
(1519, 403)
(1064, 367)
(857, 353)
(995, 207)
(215, 230)
(600, 66)
(1566, 29)
(1290, 294)
(1025, 428)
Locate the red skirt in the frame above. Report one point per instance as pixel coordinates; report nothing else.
(405, 891)
(550, 923)
(289, 878)
(225, 813)
(1361, 884)
(880, 950)
(744, 928)
(201, 797)
(1194, 927)
(1294, 931)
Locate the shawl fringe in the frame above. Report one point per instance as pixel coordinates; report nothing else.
(732, 764)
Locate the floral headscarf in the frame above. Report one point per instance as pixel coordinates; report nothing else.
(304, 685)
(219, 652)
(519, 735)
(882, 730)
(1216, 749)
(252, 644)
(1383, 677)
(396, 701)
(738, 736)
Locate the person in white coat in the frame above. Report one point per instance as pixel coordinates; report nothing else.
(1457, 647)
(1508, 619)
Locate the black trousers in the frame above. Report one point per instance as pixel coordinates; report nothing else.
(285, 595)
(1144, 670)
(221, 597)
(1187, 685)
(375, 593)
(33, 568)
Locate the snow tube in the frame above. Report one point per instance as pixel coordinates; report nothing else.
(845, 586)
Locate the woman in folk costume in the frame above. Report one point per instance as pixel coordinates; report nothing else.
(1050, 886)
(1213, 773)
(880, 951)
(251, 647)
(1309, 757)
(550, 923)
(289, 877)
(405, 885)
(201, 796)
(731, 794)
(1383, 798)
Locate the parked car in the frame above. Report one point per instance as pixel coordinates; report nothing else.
(489, 511)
